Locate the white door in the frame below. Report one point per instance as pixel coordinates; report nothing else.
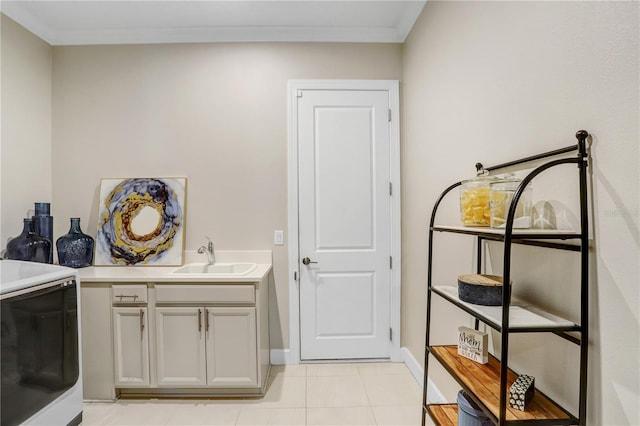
(344, 221)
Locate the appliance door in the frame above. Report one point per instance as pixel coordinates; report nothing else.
(39, 348)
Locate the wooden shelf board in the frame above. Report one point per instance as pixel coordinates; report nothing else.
(521, 315)
(444, 414)
(483, 380)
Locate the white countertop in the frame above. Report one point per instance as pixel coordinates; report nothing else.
(262, 259)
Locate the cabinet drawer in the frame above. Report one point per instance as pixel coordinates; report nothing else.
(129, 293)
(224, 294)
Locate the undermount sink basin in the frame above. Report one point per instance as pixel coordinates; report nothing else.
(216, 268)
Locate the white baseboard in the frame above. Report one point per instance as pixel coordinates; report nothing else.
(435, 396)
(280, 357)
(413, 365)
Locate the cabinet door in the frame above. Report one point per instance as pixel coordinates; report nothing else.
(231, 347)
(180, 346)
(131, 347)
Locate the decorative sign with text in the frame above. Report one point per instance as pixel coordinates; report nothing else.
(472, 344)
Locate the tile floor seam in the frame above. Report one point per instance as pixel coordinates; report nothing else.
(306, 396)
(240, 410)
(340, 406)
(365, 391)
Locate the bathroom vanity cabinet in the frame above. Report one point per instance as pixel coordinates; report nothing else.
(168, 337)
(206, 336)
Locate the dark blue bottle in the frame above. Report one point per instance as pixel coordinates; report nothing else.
(29, 246)
(43, 223)
(75, 249)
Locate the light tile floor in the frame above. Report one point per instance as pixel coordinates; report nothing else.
(305, 394)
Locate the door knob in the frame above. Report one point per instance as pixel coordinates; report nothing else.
(307, 261)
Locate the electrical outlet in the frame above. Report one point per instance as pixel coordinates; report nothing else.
(278, 237)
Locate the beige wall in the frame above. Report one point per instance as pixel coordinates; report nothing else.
(215, 113)
(493, 81)
(25, 152)
(481, 81)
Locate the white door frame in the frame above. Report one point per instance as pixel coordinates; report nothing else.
(293, 86)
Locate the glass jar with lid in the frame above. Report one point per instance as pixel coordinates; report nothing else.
(501, 196)
(475, 209)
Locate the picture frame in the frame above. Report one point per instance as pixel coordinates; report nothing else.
(141, 221)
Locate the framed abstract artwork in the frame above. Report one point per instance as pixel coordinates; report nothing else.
(141, 221)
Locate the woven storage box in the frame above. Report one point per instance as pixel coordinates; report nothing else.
(480, 289)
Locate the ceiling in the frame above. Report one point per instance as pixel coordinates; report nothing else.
(187, 21)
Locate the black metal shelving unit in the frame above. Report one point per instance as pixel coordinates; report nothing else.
(473, 377)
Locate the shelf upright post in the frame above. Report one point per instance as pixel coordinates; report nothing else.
(478, 269)
(428, 323)
(429, 283)
(506, 290)
(583, 164)
(506, 298)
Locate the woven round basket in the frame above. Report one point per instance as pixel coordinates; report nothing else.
(480, 289)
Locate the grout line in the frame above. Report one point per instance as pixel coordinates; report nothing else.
(364, 387)
(373, 413)
(306, 396)
(240, 408)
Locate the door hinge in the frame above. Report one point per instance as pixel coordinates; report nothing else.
(390, 334)
(390, 262)
(389, 114)
(390, 188)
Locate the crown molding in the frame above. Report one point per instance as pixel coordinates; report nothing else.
(19, 12)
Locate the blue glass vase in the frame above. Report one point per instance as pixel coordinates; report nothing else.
(29, 246)
(75, 249)
(43, 223)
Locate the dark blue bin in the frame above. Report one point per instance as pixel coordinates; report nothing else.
(469, 414)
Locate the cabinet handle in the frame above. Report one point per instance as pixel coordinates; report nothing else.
(141, 320)
(122, 296)
(199, 319)
(206, 320)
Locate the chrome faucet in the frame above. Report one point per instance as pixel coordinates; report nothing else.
(209, 251)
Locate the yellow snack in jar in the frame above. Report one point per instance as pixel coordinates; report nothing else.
(474, 207)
